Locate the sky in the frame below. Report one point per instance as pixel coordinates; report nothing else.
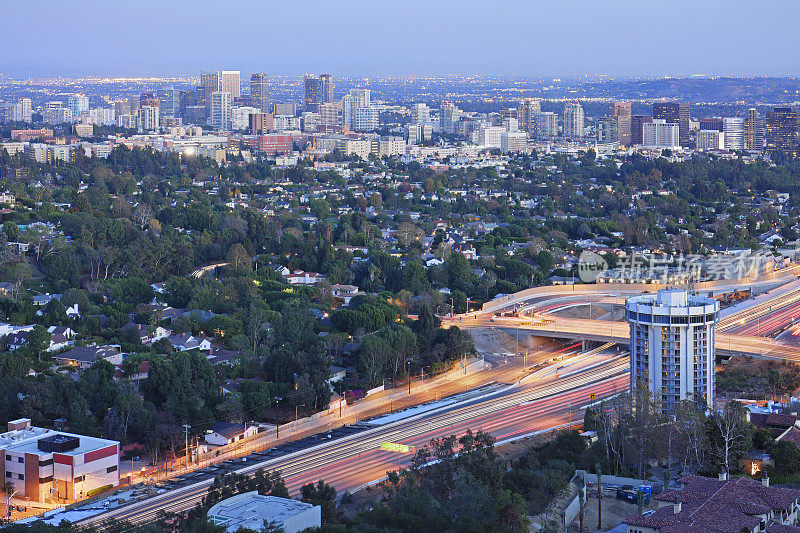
(618, 38)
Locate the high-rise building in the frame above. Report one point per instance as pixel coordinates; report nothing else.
(621, 112)
(286, 109)
(365, 118)
(220, 117)
(22, 110)
(546, 125)
(147, 118)
(420, 114)
(231, 82)
(78, 104)
(513, 141)
(672, 346)
(660, 134)
(782, 129)
(448, 117)
(637, 126)
(330, 114)
(326, 81)
(210, 79)
(260, 123)
(710, 140)
(312, 93)
(608, 129)
(676, 113)
(526, 114)
(754, 138)
(713, 123)
(259, 91)
(169, 101)
(733, 127)
(149, 99)
(573, 120)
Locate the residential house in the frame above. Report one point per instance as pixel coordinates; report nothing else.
(721, 505)
(222, 433)
(147, 334)
(85, 356)
(185, 341)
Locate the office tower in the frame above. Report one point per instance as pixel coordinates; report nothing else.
(621, 112)
(733, 127)
(103, 116)
(169, 102)
(57, 115)
(259, 91)
(417, 133)
(754, 130)
(260, 123)
(546, 125)
(420, 114)
(220, 116)
(286, 109)
(231, 82)
(312, 93)
(608, 129)
(510, 124)
(448, 117)
(357, 99)
(710, 140)
(22, 110)
(676, 113)
(782, 129)
(148, 118)
(573, 120)
(637, 125)
(711, 124)
(672, 346)
(526, 114)
(660, 134)
(78, 104)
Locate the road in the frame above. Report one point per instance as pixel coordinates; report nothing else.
(618, 332)
(354, 461)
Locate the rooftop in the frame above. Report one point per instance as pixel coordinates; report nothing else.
(250, 509)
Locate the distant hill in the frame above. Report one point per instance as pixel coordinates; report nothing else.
(728, 90)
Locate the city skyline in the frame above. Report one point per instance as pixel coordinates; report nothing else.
(422, 38)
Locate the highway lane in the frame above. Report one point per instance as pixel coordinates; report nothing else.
(618, 332)
(356, 460)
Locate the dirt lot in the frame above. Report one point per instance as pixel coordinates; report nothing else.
(493, 340)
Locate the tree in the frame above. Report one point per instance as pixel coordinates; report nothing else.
(323, 495)
(38, 341)
(11, 230)
(239, 262)
(729, 435)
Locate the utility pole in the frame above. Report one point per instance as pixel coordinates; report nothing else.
(186, 434)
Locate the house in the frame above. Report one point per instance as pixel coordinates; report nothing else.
(345, 292)
(185, 341)
(299, 277)
(222, 433)
(44, 299)
(60, 337)
(17, 340)
(85, 356)
(721, 505)
(219, 356)
(338, 373)
(147, 334)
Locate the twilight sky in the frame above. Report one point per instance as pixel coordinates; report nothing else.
(524, 37)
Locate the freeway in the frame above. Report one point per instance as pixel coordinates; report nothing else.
(618, 332)
(356, 460)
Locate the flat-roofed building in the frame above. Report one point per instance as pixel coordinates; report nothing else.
(251, 510)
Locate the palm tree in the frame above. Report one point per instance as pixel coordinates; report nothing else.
(9, 490)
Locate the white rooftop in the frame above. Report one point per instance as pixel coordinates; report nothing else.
(250, 510)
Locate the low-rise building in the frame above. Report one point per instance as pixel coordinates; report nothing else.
(222, 433)
(720, 505)
(251, 510)
(48, 465)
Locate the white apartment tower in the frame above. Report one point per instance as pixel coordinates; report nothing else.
(672, 346)
(148, 118)
(420, 114)
(78, 104)
(22, 110)
(573, 120)
(545, 125)
(660, 134)
(220, 117)
(710, 140)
